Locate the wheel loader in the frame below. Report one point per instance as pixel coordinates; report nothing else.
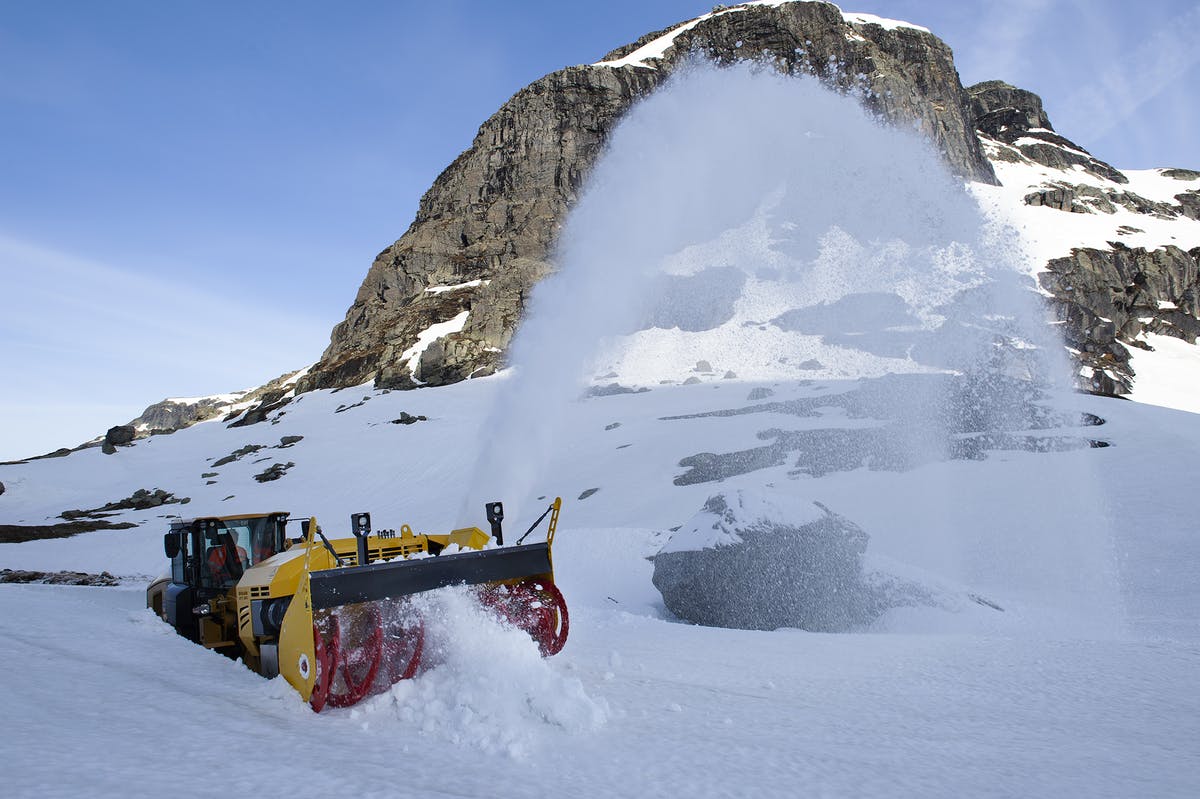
(335, 617)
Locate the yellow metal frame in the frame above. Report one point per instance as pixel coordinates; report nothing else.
(288, 574)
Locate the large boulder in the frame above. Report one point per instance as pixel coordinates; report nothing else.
(757, 562)
(749, 562)
(117, 436)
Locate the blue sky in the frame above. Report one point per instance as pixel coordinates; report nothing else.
(191, 192)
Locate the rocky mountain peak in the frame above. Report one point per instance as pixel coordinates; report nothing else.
(1014, 124)
(1005, 112)
(441, 303)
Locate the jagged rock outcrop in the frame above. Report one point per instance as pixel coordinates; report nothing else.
(1081, 198)
(141, 499)
(485, 231)
(1018, 129)
(170, 415)
(1109, 298)
(117, 436)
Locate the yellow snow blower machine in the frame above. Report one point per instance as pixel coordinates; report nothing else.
(335, 617)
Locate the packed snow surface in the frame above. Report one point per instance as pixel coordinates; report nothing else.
(810, 357)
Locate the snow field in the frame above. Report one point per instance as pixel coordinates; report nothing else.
(693, 710)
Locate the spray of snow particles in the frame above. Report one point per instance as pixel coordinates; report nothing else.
(771, 221)
(483, 685)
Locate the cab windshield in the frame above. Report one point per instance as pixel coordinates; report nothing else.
(234, 545)
(254, 537)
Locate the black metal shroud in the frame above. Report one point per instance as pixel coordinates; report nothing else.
(333, 587)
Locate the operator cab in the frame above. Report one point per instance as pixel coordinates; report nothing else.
(214, 553)
(208, 557)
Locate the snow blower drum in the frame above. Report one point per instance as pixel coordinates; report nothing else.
(335, 617)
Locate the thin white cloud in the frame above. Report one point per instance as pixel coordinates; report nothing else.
(1159, 63)
(100, 338)
(999, 50)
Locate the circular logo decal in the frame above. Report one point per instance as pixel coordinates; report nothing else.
(303, 666)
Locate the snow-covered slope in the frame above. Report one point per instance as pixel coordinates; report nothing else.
(640, 705)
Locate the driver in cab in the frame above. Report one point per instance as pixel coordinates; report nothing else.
(219, 564)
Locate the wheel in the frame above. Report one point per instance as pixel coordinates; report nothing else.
(403, 645)
(326, 657)
(535, 606)
(361, 655)
(559, 621)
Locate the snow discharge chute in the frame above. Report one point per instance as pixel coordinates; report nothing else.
(334, 617)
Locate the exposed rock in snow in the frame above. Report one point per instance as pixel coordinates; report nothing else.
(273, 472)
(751, 561)
(747, 562)
(1120, 263)
(1111, 300)
(142, 499)
(1016, 118)
(57, 577)
(177, 413)
(117, 436)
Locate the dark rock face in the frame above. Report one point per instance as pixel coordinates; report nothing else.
(1107, 298)
(1014, 119)
(1003, 111)
(120, 435)
(1189, 204)
(269, 403)
(485, 230)
(170, 415)
(1084, 199)
(117, 436)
